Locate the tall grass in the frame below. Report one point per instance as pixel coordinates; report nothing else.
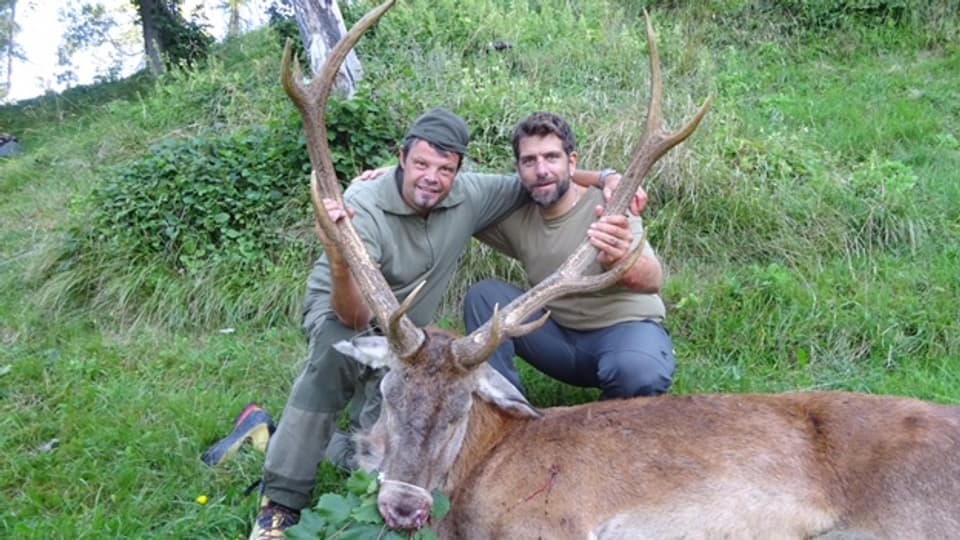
(811, 230)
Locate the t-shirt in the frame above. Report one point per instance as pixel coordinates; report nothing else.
(541, 246)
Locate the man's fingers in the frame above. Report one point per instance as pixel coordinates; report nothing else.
(336, 211)
(610, 242)
(638, 204)
(372, 174)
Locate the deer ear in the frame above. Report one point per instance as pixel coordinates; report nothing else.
(495, 389)
(371, 351)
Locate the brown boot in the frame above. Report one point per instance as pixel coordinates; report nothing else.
(273, 521)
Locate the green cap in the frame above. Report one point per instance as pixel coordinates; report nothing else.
(442, 128)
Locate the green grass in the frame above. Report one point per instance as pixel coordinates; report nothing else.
(811, 229)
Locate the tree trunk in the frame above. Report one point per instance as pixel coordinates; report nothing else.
(151, 20)
(233, 26)
(321, 27)
(10, 28)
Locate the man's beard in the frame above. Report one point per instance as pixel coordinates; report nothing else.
(426, 195)
(546, 200)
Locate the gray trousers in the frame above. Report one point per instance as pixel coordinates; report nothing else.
(306, 434)
(633, 358)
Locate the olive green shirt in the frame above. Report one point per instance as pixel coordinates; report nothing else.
(541, 246)
(410, 249)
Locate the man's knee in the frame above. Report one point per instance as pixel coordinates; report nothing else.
(637, 374)
(648, 383)
(479, 302)
(341, 451)
(483, 293)
(329, 379)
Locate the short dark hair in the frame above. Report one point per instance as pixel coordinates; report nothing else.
(541, 124)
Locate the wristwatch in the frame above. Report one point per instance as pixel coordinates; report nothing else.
(604, 174)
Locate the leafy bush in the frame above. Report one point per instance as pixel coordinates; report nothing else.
(208, 229)
(856, 22)
(833, 13)
(206, 200)
(362, 133)
(230, 199)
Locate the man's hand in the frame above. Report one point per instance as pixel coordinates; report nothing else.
(637, 204)
(612, 237)
(372, 174)
(336, 212)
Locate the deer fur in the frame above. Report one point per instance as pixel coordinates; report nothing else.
(782, 466)
(788, 466)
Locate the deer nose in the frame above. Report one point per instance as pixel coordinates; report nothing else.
(407, 517)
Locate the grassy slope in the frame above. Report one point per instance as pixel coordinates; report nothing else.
(758, 302)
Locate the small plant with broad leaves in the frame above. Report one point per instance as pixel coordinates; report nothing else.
(354, 516)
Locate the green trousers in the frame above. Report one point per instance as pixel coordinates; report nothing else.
(307, 432)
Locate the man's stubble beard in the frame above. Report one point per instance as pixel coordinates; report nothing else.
(548, 200)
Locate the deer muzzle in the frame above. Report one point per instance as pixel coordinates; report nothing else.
(404, 506)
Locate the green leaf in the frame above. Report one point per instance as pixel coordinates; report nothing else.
(334, 508)
(362, 532)
(362, 483)
(367, 513)
(310, 527)
(441, 505)
(425, 534)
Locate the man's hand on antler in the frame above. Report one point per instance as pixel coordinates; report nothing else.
(612, 237)
(337, 212)
(637, 204)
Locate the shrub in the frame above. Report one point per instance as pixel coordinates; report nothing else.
(208, 229)
(206, 200)
(835, 13)
(230, 199)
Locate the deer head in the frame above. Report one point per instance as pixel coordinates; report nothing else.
(434, 375)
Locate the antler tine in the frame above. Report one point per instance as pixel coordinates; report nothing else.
(656, 140)
(311, 100)
(653, 144)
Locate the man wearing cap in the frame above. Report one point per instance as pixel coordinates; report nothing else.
(416, 223)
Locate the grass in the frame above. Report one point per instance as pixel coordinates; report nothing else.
(811, 229)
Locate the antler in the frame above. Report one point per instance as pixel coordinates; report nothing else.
(654, 143)
(311, 99)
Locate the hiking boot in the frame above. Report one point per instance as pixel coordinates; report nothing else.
(253, 425)
(273, 521)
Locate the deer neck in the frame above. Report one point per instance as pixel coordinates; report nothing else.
(487, 426)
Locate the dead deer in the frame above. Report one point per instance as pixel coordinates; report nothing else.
(796, 465)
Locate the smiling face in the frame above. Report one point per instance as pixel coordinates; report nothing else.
(545, 168)
(428, 174)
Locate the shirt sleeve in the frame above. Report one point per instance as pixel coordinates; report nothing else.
(636, 226)
(495, 237)
(493, 196)
(366, 225)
